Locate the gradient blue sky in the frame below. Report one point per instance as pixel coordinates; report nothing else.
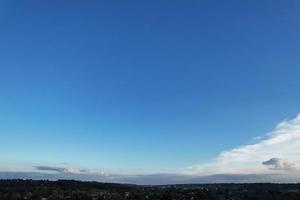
(143, 86)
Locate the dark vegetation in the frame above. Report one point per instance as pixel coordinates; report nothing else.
(68, 189)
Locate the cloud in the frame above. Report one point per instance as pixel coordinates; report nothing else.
(67, 170)
(279, 164)
(48, 168)
(282, 142)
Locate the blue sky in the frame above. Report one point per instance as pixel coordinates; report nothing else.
(143, 86)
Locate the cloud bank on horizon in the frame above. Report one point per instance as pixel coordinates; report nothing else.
(279, 151)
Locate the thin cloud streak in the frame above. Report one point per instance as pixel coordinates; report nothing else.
(68, 170)
(48, 168)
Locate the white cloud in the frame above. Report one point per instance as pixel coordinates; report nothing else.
(279, 164)
(282, 142)
(72, 170)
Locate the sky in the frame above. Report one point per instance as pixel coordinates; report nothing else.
(149, 87)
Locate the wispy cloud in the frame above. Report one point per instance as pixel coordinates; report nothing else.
(282, 142)
(68, 170)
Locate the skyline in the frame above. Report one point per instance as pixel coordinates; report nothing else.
(141, 88)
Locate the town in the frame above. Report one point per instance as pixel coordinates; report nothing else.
(70, 189)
